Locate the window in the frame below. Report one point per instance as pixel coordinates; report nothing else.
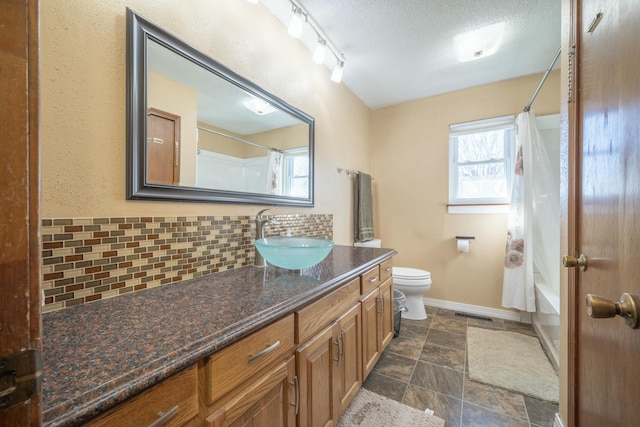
(296, 176)
(481, 161)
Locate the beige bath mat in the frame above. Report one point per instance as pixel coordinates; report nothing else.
(511, 361)
(369, 409)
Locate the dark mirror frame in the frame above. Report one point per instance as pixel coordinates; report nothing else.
(139, 30)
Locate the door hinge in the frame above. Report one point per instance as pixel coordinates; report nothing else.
(572, 74)
(20, 377)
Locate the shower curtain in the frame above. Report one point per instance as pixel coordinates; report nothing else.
(533, 208)
(273, 173)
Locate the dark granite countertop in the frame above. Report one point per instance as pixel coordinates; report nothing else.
(97, 355)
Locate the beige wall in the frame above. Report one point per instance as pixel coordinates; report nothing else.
(83, 103)
(410, 148)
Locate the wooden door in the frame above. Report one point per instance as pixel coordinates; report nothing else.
(348, 372)
(607, 203)
(370, 335)
(315, 364)
(163, 148)
(20, 320)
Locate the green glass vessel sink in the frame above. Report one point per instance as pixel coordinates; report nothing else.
(294, 253)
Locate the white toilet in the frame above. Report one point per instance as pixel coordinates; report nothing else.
(413, 283)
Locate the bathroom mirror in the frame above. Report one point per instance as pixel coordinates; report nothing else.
(197, 131)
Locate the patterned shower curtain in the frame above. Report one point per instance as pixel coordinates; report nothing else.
(517, 288)
(274, 184)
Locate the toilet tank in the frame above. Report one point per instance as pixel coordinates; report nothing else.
(374, 243)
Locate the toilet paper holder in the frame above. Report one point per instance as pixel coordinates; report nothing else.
(463, 243)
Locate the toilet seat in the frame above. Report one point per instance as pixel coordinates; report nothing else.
(405, 273)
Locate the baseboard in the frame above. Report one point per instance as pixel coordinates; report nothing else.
(473, 309)
(557, 421)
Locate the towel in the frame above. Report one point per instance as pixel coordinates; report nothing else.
(363, 209)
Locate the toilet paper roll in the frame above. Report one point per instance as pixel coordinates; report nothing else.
(463, 245)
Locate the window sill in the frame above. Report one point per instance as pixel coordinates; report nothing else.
(478, 209)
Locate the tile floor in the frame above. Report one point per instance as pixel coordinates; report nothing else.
(425, 367)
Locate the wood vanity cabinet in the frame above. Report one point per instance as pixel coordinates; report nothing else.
(377, 314)
(252, 382)
(172, 403)
(301, 370)
(329, 362)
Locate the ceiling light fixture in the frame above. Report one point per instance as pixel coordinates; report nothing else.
(258, 106)
(253, 1)
(479, 43)
(320, 52)
(295, 25)
(295, 29)
(336, 76)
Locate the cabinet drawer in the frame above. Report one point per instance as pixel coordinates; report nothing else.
(177, 395)
(233, 365)
(317, 315)
(386, 270)
(370, 280)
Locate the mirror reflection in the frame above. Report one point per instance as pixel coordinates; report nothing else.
(208, 133)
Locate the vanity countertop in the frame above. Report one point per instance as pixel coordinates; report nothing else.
(97, 355)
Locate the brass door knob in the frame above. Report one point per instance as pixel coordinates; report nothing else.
(627, 308)
(581, 261)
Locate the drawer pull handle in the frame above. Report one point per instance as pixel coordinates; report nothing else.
(388, 269)
(264, 352)
(373, 280)
(296, 404)
(164, 418)
(337, 344)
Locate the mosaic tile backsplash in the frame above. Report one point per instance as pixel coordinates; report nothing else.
(88, 259)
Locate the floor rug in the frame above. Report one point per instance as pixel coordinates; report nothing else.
(368, 409)
(511, 361)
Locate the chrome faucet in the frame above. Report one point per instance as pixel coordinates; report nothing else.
(260, 224)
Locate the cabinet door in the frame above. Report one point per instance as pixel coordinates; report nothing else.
(385, 314)
(315, 364)
(370, 340)
(348, 372)
(269, 401)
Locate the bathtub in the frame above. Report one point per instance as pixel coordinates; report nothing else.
(546, 319)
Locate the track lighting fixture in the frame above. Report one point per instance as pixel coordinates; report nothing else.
(320, 52)
(336, 76)
(295, 26)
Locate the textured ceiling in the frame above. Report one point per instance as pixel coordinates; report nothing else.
(400, 50)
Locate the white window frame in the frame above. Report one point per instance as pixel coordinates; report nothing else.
(288, 178)
(479, 205)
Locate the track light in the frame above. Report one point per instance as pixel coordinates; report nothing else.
(295, 26)
(320, 52)
(336, 76)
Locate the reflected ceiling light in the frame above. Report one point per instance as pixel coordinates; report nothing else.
(479, 43)
(295, 26)
(253, 1)
(258, 106)
(336, 76)
(320, 52)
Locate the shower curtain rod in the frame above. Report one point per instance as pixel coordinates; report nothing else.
(528, 106)
(255, 144)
